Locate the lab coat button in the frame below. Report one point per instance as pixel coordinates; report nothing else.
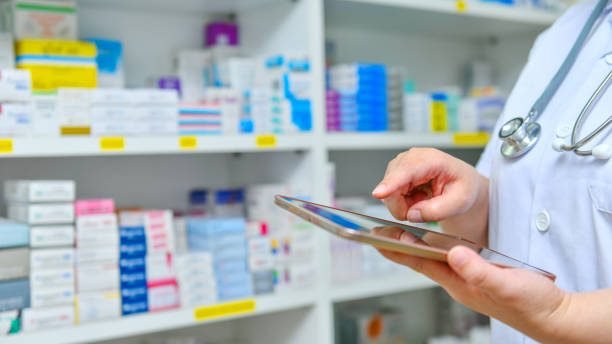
(542, 221)
(563, 131)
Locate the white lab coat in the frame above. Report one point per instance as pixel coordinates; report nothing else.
(554, 210)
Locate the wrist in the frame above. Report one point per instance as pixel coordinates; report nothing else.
(556, 327)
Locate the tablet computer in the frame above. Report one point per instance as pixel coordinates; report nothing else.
(384, 234)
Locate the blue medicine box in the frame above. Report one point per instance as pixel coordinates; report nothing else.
(13, 234)
(132, 235)
(137, 249)
(136, 307)
(14, 294)
(133, 279)
(132, 264)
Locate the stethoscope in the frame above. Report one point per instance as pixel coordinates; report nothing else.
(519, 135)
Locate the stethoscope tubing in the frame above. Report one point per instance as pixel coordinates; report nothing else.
(575, 145)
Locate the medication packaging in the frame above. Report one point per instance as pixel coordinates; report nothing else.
(36, 319)
(42, 214)
(39, 190)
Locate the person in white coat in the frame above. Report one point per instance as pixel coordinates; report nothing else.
(550, 209)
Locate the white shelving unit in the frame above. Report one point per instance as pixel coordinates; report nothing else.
(162, 321)
(431, 38)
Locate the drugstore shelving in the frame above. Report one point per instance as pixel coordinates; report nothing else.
(444, 17)
(379, 286)
(93, 146)
(157, 322)
(185, 6)
(401, 140)
(523, 15)
(120, 145)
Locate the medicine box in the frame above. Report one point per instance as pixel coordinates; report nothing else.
(36, 191)
(136, 307)
(93, 254)
(42, 19)
(135, 249)
(36, 319)
(13, 234)
(129, 235)
(52, 258)
(132, 264)
(163, 296)
(47, 74)
(51, 236)
(14, 263)
(96, 223)
(15, 84)
(15, 119)
(87, 239)
(94, 207)
(134, 278)
(98, 305)
(52, 278)
(97, 276)
(14, 294)
(49, 297)
(41, 213)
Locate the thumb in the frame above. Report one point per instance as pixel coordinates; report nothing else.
(476, 271)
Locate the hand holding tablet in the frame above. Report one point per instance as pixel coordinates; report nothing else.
(386, 235)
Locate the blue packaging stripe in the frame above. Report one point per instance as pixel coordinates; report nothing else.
(129, 250)
(133, 294)
(132, 264)
(135, 307)
(132, 235)
(133, 279)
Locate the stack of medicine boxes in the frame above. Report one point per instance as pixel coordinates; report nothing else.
(395, 92)
(225, 240)
(363, 96)
(47, 206)
(156, 247)
(15, 105)
(14, 270)
(97, 260)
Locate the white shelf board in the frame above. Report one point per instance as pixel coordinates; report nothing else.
(391, 140)
(380, 286)
(440, 17)
(473, 8)
(179, 6)
(91, 146)
(156, 322)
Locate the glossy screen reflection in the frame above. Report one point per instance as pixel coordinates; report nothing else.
(386, 234)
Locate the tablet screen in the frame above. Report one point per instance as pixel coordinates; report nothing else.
(391, 235)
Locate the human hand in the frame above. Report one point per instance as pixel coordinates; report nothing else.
(523, 299)
(425, 184)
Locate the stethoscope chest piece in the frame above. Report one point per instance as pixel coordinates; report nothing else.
(518, 136)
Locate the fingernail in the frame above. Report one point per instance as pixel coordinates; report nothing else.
(381, 188)
(457, 258)
(414, 215)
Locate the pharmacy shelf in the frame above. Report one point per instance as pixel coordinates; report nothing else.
(163, 321)
(180, 6)
(444, 17)
(97, 146)
(380, 286)
(400, 140)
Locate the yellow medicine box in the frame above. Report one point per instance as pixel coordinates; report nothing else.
(57, 63)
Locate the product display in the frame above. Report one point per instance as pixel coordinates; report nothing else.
(376, 97)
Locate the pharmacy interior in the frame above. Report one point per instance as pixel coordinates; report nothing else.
(142, 143)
